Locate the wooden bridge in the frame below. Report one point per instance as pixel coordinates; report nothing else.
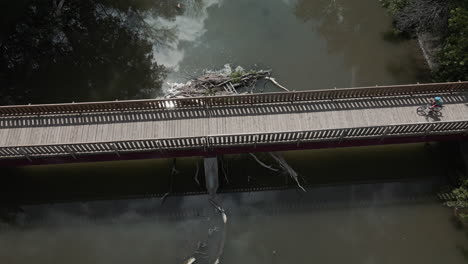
(209, 126)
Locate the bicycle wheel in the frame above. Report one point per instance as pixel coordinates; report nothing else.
(421, 110)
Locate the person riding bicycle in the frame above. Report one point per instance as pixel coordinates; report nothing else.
(436, 103)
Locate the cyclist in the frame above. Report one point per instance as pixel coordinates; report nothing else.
(436, 103)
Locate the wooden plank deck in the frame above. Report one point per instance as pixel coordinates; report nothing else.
(262, 118)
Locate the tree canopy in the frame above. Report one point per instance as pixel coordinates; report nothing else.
(80, 49)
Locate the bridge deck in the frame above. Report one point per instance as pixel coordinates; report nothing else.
(262, 118)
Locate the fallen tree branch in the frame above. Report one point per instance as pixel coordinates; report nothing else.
(197, 171)
(190, 260)
(215, 205)
(217, 84)
(223, 168)
(261, 163)
(288, 169)
(174, 171)
(223, 238)
(58, 7)
(276, 83)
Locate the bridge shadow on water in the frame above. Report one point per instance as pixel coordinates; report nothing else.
(361, 184)
(229, 111)
(237, 173)
(268, 203)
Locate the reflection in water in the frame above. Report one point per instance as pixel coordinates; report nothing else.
(373, 223)
(105, 49)
(188, 27)
(350, 29)
(315, 167)
(308, 44)
(79, 50)
(353, 223)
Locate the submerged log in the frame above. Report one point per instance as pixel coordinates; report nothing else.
(223, 238)
(190, 260)
(174, 171)
(288, 169)
(261, 163)
(224, 168)
(197, 171)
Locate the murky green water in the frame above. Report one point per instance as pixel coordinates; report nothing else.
(363, 205)
(392, 215)
(309, 44)
(373, 223)
(130, 49)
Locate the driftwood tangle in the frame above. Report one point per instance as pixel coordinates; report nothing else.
(221, 83)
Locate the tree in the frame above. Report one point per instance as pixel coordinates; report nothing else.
(421, 16)
(79, 50)
(394, 6)
(453, 58)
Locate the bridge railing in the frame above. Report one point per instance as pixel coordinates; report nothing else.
(247, 99)
(209, 143)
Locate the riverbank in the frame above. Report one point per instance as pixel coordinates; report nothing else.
(459, 200)
(440, 28)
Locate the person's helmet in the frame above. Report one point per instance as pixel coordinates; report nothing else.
(437, 98)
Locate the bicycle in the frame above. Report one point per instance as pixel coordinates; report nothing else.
(427, 109)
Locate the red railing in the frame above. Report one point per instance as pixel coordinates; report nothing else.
(248, 99)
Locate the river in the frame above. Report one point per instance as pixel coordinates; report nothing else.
(363, 205)
(365, 223)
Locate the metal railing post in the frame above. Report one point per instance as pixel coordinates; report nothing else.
(385, 133)
(205, 144)
(428, 130)
(116, 150)
(158, 144)
(343, 134)
(208, 102)
(22, 152)
(209, 143)
(466, 133)
(299, 138)
(71, 152)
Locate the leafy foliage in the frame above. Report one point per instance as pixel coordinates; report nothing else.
(461, 199)
(420, 16)
(453, 58)
(78, 50)
(461, 195)
(236, 76)
(446, 19)
(394, 6)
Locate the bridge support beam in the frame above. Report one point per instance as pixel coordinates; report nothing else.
(211, 175)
